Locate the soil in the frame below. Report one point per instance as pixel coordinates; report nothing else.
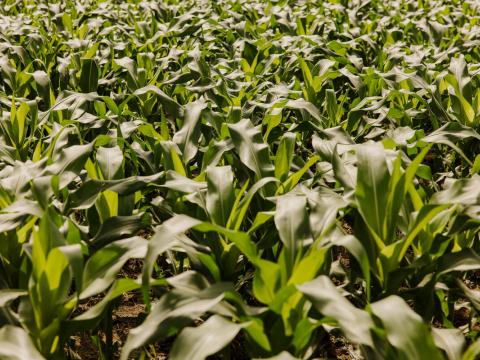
(127, 315)
(130, 312)
(337, 347)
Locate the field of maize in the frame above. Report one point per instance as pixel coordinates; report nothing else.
(240, 179)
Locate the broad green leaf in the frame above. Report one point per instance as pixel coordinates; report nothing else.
(293, 180)
(291, 220)
(405, 329)
(110, 161)
(450, 134)
(354, 323)
(472, 351)
(266, 281)
(15, 344)
(118, 227)
(102, 268)
(355, 247)
(204, 340)
(71, 159)
(461, 191)
(324, 205)
(187, 137)
(163, 239)
(89, 75)
(220, 196)
(426, 214)
(181, 183)
(174, 306)
(372, 186)
(170, 104)
(307, 107)
(85, 196)
(284, 155)
(451, 341)
(251, 149)
(240, 209)
(464, 260)
(309, 266)
(458, 67)
(8, 295)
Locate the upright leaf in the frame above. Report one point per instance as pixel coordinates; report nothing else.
(372, 186)
(89, 76)
(187, 137)
(110, 161)
(220, 195)
(291, 220)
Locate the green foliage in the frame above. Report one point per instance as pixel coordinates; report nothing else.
(283, 172)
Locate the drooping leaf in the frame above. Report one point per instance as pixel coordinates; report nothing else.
(354, 323)
(204, 340)
(405, 329)
(15, 344)
(251, 149)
